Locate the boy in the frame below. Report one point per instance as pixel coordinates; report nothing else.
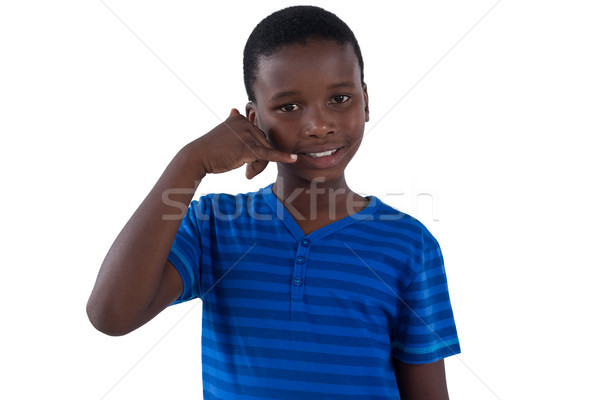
(309, 290)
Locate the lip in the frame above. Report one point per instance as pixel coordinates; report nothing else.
(325, 161)
(320, 149)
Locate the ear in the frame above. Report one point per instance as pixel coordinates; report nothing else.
(251, 113)
(366, 98)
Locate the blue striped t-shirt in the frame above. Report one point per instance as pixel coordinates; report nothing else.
(317, 316)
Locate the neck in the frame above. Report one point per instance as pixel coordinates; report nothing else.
(317, 199)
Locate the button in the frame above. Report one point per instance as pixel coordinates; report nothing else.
(300, 260)
(297, 281)
(305, 242)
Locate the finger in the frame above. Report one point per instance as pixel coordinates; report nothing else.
(260, 144)
(257, 137)
(270, 154)
(261, 138)
(258, 134)
(254, 168)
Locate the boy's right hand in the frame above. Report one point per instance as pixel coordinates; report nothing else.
(234, 142)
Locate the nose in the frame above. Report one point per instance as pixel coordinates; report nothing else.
(318, 123)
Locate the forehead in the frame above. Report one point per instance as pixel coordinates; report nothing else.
(315, 65)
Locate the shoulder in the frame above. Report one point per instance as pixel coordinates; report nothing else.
(225, 198)
(402, 225)
(223, 202)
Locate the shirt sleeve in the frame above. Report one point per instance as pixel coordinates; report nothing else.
(425, 330)
(186, 251)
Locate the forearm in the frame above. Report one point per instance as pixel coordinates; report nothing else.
(131, 272)
(134, 283)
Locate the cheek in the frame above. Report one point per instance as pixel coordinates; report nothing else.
(267, 128)
(275, 136)
(354, 122)
(279, 133)
(355, 114)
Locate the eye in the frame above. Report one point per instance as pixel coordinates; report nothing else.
(340, 98)
(289, 107)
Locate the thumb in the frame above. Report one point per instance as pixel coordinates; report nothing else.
(234, 112)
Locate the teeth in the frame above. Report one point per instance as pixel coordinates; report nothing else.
(323, 154)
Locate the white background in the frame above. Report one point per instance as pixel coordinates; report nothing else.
(499, 135)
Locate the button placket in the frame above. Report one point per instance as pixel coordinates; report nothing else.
(299, 275)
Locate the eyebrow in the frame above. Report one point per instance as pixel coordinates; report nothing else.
(281, 95)
(289, 93)
(341, 84)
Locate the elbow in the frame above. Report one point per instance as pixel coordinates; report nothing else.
(105, 321)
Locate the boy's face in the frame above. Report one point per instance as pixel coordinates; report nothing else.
(310, 100)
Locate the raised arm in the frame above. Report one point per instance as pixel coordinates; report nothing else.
(136, 281)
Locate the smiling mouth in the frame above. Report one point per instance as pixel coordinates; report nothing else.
(322, 154)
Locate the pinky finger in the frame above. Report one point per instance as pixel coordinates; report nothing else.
(255, 167)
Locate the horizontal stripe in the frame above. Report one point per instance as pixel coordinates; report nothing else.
(418, 358)
(333, 347)
(317, 324)
(316, 362)
(372, 286)
(332, 310)
(294, 391)
(430, 349)
(224, 332)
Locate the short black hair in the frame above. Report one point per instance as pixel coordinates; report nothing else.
(293, 25)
